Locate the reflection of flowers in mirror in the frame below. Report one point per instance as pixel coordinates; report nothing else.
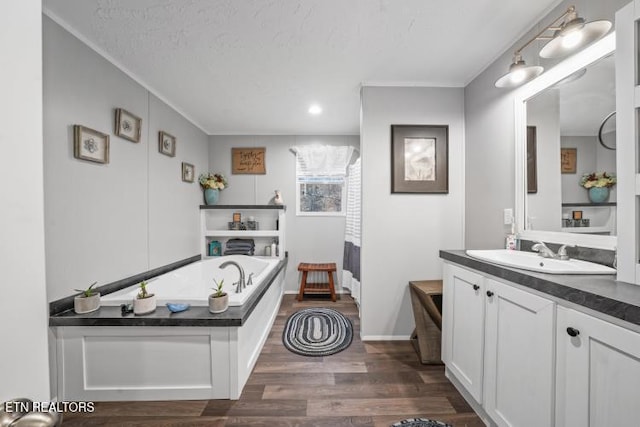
(215, 181)
(596, 179)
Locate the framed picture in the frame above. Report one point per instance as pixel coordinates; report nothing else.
(167, 144)
(568, 160)
(419, 159)
(89, 144)
(128, 126)
(532, 160)
(250, 161)
(188, 172)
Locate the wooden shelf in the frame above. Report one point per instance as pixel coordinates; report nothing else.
(587, 204)
(244, 207)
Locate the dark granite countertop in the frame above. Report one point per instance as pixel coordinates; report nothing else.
(600, 294)
(194, 316)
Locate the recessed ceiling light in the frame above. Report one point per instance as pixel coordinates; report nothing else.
(315, 109)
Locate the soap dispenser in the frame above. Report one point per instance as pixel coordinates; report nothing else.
(273, 248)
(511, 241)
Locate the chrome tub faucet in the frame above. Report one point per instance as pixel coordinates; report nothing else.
(240, 284)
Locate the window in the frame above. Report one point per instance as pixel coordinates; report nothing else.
(320, 179)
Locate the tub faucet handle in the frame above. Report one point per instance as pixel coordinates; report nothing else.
(238, 286)
(250, 279)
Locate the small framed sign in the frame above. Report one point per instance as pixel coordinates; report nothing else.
(89, 144)
(188, 172)
(568, 160)
(167, 144)
(250, 161)
(128, 125)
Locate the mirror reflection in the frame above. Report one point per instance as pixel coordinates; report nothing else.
(571, 157)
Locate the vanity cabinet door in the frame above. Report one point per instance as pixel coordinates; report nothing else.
(463, 327)
(598, 372)
(519, 356)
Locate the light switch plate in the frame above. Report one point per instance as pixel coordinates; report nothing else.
(508, 216)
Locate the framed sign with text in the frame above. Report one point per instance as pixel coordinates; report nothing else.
(249, 161)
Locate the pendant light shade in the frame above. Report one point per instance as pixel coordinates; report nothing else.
(574, 35)
(519, 73)
(571, 34)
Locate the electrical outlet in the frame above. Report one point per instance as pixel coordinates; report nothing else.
(508, 216)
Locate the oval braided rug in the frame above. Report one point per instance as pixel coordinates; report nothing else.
(317, 332)
(419, 422)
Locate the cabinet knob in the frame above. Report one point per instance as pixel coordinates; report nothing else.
(573, 332)
(476, 287)
(489, 293)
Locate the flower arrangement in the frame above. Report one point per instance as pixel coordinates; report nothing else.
(215, 181)
(598, 180)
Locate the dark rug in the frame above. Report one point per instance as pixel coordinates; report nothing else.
(317, 332)
(419, 422)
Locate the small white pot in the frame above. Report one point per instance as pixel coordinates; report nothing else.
(218, 304)
(82, 304)
(144, 305)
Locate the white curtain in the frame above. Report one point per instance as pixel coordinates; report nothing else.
(351, 261)
(322, 160)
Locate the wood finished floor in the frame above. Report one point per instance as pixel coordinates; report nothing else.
(370, 384)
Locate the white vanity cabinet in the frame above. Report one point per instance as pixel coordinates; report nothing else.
(498, 344)
(598, 372)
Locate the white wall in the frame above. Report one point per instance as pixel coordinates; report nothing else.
(107, 222)
(490, 135)
(24, 369)
(545, 206)
(309, 239)
(403, 233)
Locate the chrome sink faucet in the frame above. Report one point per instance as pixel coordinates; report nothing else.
(240, 283)
(545, 252)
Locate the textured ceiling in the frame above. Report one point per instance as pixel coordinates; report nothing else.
(255, 66)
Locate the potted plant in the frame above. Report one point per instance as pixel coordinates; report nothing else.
(87, 301)
(144, 302)
(212, 184)
(598, 185)
(219, 300)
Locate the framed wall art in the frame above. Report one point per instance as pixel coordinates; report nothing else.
(250, 161)
(532, 160)
(419, 159)
(568, 160)
(188, 172)
(128, 125)
(89, 144)
(167, 144)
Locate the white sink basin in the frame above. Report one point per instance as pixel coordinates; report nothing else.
(533, 262)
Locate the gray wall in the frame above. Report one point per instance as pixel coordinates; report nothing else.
(545, 207)
(309, 239)
(403, 233)
(24, 369)
(489, 130)
(107, 222)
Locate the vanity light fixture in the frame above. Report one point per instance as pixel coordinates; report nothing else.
(572, 34)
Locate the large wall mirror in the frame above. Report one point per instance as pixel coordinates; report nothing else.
(559, 138)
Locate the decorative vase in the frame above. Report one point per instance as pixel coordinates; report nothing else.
(218, 304)
(598, 194)
(144, 305)
(211, 196)
(82, 304)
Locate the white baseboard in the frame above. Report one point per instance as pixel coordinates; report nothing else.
(385, 337)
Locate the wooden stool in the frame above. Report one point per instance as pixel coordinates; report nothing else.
(426, 338)
(317, 288)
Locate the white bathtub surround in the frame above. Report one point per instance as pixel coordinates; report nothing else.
(83, 304)
(105, 363)
(218, 304)
(192, 283)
